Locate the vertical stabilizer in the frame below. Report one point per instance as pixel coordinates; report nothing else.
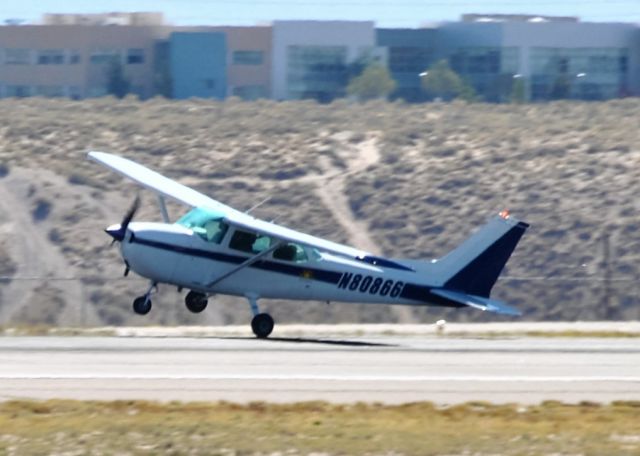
(475, 265)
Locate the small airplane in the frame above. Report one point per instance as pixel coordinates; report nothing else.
(215, 249)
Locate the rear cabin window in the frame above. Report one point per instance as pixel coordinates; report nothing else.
(290, 252)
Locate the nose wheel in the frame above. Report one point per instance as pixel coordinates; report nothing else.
(142, 304)
(196, 302)
(262, 323)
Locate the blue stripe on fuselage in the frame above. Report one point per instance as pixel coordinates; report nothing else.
(413, 292)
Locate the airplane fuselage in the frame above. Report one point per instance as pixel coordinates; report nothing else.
(173, 254)
(216, 249)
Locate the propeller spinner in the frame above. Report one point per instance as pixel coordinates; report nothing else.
(118, 232)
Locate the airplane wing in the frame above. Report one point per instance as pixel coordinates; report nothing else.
(156, 182)
(170, 188)
(477, 302)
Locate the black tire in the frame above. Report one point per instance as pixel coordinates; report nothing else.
(142, 305)
(196, 302)
(262, 325)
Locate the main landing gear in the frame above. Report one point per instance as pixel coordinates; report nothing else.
(261, 323)
(196, 302)
(142, 304)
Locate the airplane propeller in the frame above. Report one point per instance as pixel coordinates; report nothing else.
(118, 232)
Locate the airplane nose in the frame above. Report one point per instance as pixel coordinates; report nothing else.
(116, 232)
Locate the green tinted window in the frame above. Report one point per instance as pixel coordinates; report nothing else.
(205, 223)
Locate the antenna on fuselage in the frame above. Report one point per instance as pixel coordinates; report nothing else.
(252, 208)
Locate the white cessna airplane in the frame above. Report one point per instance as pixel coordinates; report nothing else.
(214, 249)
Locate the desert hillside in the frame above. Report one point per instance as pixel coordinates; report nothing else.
(403, 180)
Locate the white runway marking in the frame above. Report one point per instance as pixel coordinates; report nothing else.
(337, 378)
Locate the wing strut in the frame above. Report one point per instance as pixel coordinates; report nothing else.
(244, 264)
(163, 209)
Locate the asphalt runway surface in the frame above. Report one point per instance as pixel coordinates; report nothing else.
(347, 369)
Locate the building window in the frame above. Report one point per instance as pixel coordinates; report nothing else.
(17, 57)
(74, 92)
(210, 84)
(102, 56)
(74, 57)
(318, 72)
(248, 57)
(50, 91)
(135, 56)
(412, 60)
(584, 73)
(623, 64)
(250, 92)
(19, 91)
(480, 60)
(51, 57)
(97, 91)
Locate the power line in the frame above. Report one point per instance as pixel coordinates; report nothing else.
(513, 278)
(422, 4)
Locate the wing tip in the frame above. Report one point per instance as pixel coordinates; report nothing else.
(95, 154)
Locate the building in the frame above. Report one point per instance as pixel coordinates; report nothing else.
(79, 56)
(74, 60)
(555, 59)
(238, 65)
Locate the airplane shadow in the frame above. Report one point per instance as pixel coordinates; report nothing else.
(305, 340)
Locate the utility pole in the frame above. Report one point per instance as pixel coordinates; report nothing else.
(607, 276)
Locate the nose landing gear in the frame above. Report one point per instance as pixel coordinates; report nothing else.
(142, 304)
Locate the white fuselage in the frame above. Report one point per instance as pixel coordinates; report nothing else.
(173, 254)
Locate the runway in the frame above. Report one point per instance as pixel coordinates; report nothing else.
(369, 369)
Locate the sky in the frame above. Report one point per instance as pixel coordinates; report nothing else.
(386, 13)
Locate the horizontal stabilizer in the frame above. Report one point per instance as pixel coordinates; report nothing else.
(486, 304)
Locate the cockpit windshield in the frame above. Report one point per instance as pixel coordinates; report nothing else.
(206, 223)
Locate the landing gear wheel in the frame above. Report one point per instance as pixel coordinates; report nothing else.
(142, 305)
(196, 302)
(262, 325)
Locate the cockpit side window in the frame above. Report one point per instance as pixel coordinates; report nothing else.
(215, 230)
(249, 242)
(206, 224)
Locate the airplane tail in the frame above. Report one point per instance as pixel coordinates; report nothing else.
(469, 272)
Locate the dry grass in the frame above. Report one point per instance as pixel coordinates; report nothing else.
(571, 169)
(136, 428)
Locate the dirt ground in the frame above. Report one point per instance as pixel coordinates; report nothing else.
(402, 180)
